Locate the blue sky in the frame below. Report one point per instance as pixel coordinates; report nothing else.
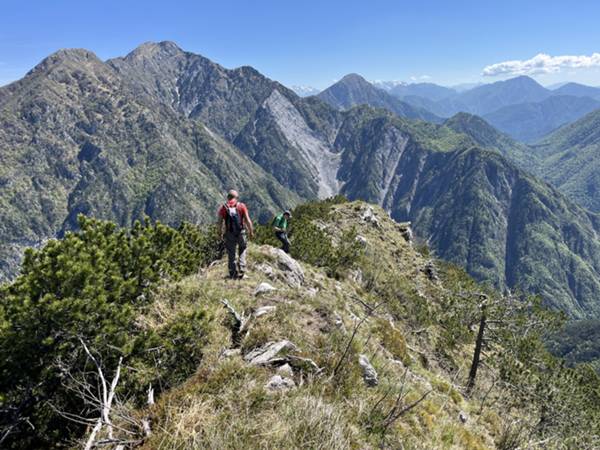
(315, 43)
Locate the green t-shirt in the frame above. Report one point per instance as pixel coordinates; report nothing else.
(280, 222)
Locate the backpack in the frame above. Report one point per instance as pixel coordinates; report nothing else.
(233, 219)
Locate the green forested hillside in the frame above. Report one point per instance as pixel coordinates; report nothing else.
(570, 160)
(477, 209)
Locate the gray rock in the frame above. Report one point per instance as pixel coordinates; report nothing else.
(368, 216)
(279, 383)
(285, 371)
(263, 310)
(369, 373)
(267, 270)
(356, 276)
(291, 270)
(405, 231)
(407, 234)
(463, 417)
(361, 240)
(268, 353)
(264, 288)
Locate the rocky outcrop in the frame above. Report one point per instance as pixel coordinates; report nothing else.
(268, 353)
(369, 373)
(290, 270)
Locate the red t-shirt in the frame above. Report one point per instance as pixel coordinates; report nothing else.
(241, 210)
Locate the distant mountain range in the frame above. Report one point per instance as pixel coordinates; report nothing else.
(353, 90)
(305, 91)
(520, 106)
(529, 122)
(163, 132)
(429, 91)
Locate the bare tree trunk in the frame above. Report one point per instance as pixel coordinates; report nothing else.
(477, 352)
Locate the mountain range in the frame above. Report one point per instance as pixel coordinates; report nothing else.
(520, 106)
(163, 132)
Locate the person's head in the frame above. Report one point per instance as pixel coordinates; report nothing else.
(287, 214)
(232, 195)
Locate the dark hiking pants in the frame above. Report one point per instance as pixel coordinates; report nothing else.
(285, 242)
(235, 243)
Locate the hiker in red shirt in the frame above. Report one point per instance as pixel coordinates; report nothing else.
(234, 220)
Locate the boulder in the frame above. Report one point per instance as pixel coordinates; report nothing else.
(267, 270)
(368, 216)
(277, 383)
(264, 288)
(369, 374)
(356, 276)
(292, 271)
(405, 231)
(268, 353)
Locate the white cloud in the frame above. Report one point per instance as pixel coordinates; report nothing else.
(542, 63)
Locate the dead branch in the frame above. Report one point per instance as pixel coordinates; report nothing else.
(241, 324)
(354, 332)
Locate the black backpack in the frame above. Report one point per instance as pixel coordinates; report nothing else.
(233, 220)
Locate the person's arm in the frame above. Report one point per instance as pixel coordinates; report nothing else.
(221, 223)
(249, 224)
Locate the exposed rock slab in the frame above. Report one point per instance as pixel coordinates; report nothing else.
(268, 353)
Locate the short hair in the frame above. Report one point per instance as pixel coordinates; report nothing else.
(232, 194)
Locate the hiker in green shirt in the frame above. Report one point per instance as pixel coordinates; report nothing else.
(280, 225)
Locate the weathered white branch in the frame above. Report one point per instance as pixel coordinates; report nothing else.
(106, 398)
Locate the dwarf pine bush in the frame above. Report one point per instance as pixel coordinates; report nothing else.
(91, 286)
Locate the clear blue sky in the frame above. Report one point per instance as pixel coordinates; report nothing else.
(314, 43)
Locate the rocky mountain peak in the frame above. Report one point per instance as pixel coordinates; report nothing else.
(354, 78)
(67, 56)
(155, 49)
